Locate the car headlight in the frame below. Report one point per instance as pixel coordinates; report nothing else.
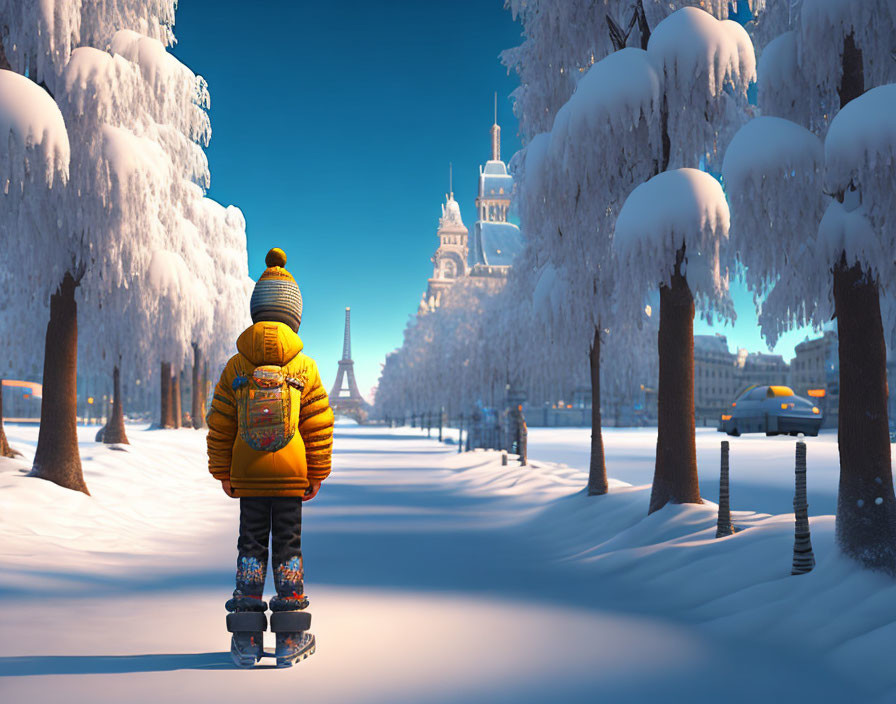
(815, 410)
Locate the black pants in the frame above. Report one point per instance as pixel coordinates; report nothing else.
(280, 520)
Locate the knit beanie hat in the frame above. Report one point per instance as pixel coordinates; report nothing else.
(276, 296)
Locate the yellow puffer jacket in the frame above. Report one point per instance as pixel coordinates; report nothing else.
(307, 456)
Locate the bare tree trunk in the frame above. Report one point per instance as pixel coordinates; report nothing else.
(5, 449)
(866, 505)
(56, 457)
(113, 432)
(597, 472)
(675, 477)
(4, 62)
(177, 400)
(166, 418)
(852, 83)
(205, 389)
(197, 407)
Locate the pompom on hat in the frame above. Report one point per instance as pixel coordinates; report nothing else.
(276, 297)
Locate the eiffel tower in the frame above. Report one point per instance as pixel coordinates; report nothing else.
(345, 399)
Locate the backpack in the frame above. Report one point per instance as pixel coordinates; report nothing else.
(264, 407)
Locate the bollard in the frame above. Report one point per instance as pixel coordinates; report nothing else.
(724, 527)
(504, 458)
(460, 434)
(803, 557)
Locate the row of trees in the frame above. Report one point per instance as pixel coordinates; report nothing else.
(625, 111)
(104, 215)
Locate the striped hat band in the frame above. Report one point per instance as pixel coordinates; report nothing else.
(277, 300)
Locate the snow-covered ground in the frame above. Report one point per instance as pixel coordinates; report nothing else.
(761, 467)
(438, 577)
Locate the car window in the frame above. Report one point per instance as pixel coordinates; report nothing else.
(757, 394)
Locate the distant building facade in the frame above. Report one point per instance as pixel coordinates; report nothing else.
(761, 369)
(715, 376)
(815, 374)
(720, 375)
(449, 263)
(487, 256)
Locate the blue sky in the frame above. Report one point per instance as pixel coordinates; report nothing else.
(332, 128)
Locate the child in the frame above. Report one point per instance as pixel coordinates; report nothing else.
(270, 436)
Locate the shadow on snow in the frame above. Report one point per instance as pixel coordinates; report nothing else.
(25, 666)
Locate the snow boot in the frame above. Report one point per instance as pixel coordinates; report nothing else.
(247, 623)
(247, 640)
(294, 642)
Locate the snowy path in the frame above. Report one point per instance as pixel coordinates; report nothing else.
(432, 577)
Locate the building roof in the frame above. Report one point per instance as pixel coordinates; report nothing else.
(761, 361)
(493, 168)
(711, 343)
(495, 243)
(494, 181)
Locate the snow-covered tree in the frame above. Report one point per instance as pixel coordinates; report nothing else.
(563, 38)
(604, 116)
(137, 120)
(569, 204)
(119, 179)
(815, 227)
(39, 35)
(34, 167)
(684, 217)
(38, 39)
(633, 112)
(222, 232)
(672, 230)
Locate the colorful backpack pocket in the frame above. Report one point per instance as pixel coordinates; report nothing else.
(265, 408)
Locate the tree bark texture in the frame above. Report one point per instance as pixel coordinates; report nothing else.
(4, 62)
(852, 83)
(866, 505)
(166, 418)
(675, 477)
(56, 457)
(114, 432)
(597, 471)
(205, 389)
(5, 449)
(866, 508)
(197, 415)
(177, 400)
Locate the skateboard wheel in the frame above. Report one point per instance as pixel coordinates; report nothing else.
(290, 621)
(241, 621)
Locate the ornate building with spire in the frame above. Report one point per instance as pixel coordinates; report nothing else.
(449, 263)
(495, 242)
